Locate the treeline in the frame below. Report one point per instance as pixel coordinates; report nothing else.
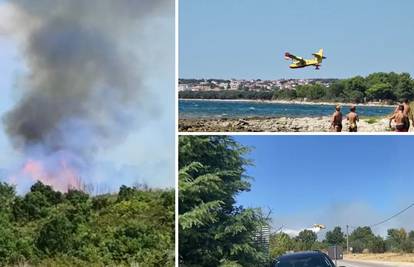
(379, 86)
(49, 228)
(384, 87)
(362, 239)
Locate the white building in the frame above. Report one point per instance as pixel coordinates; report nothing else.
(184, 87)
(235, 84)
(224, 85)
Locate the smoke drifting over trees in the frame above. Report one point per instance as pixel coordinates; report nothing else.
(85, 79)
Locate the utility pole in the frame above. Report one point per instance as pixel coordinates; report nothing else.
(347, 239)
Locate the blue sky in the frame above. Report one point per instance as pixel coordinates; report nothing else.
(333, 180)
(147, 154)
(247, 39)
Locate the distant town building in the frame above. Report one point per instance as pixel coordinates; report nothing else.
(184, 87)
(250, 85)
(235, 84)
(225, 86)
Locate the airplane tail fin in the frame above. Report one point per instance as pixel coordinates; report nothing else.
(319, 55)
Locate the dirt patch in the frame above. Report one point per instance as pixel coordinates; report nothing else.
(390, 257)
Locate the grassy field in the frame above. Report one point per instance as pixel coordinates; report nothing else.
(391, 257)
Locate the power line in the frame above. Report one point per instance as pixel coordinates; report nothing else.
(393, 216)
(388, 219)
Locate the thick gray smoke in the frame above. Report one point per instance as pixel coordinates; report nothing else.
(85, 75)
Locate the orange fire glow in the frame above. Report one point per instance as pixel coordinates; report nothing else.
(62, 179)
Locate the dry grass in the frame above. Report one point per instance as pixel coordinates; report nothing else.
(391, 257)
(372, 120)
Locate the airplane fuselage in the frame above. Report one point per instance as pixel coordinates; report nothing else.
(308, 62)
(298, 62)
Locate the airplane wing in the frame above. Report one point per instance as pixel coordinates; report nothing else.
(293, 57)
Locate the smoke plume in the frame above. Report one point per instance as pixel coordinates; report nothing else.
(295, 232)
(84, 81)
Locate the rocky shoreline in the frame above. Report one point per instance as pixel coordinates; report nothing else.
(297, 102)
(282, 124)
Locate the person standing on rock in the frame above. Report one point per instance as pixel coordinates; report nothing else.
(407, 112)
(352, 119)
(400, 120)
(336, 120)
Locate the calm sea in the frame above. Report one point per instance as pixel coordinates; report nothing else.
(237, 109)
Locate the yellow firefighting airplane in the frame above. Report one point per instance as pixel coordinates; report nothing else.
(298, 62)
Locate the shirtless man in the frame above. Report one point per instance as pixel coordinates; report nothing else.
(407, 112)
(336, 120)
(352, 118)
(400, 120)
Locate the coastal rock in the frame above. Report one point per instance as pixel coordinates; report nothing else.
(281, 124)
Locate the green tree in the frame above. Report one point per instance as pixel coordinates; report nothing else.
(335, 237)
(361, 239)
(284, 94)
(407, 246)
(52, 196)
(306, 239)
(144, 231)
(377, 245)
(37, 202)
(315, 92)
(212, 229)
(34, 205)
(380, 91)
(55, 236)
(335, 91)
(125, 193)
(396, 239)
(75, 196)
(279, 244)
(7, 241)
(405, 87)
(354, 96)
(379, 77)
(7, 197)
(356, 83)
(411, 236)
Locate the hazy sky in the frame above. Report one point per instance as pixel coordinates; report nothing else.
(331, 180)
(147, 154)
(247, 39)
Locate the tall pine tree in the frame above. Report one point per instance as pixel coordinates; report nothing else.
(213, 230)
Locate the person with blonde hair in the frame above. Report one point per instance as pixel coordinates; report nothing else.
(408, 113)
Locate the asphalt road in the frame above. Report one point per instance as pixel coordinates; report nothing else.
(353, 263)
